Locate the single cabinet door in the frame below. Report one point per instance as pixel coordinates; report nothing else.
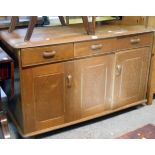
(44, 95)
(131, 73)
(93, 84)
(48, 95)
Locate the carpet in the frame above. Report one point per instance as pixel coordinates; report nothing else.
(145, 132)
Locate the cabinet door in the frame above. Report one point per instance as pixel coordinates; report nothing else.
(93, 84)
(43, 96)
(131, 76)
(48, 96)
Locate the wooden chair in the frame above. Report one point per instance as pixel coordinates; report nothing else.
(6, 72)
(31, 25)
(89, 26)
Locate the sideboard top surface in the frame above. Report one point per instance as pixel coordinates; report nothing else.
(43, 36)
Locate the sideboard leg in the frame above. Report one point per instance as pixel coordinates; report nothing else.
(150, 99)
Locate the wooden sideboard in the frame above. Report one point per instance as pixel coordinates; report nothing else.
(63, 76)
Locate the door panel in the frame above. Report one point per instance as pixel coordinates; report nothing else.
(130, 76)
(129, 84)
(94, 84)
(49, 95)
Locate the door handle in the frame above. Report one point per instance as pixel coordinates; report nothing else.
(49, 54)
(118, 70)
(135, 40)
(96, 47)
(69, 81)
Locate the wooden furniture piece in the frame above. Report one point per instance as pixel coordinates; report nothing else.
(64, 76)
(32, 23)
(23, 22)
(6, 72)
(150, 22)
(132, 20)
(147, 21)
(89, 26)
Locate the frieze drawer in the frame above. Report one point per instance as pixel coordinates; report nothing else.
(134, 41)
(89, 48)
(42, 55)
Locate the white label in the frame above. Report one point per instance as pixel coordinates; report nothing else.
(94, 37)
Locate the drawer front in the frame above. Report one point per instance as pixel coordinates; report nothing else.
(134, 41)
(94, 47)
(41, 55)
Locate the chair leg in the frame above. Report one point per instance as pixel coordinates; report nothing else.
(86, 24)
(93, 25)
(62, 20)
(5, 127)
(14, 20)
(32, 23)
(89, 27)
(67, 20)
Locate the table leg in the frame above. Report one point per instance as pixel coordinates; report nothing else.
(4, 121)
(0, 101)
(5, 127)
(12, 79)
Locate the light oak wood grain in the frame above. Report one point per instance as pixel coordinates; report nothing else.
(34, 56)
(131, 72)
(85, 79)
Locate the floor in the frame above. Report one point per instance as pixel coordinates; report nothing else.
(110, 126)
(106, 127)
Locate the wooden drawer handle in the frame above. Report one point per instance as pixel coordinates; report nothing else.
(118, 70)
(69, 81)
(95, 47)
(135, 40)
(49, 54)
